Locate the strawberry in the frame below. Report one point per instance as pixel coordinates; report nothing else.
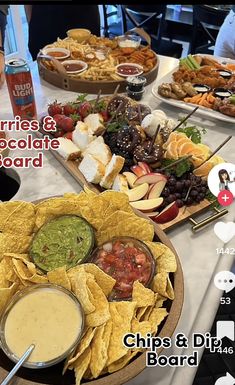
(57, 118)
(69, 135)
(105, 115)
(69, 109)
(58, 133)
(67, 124)
(84, 109)
(55, 108)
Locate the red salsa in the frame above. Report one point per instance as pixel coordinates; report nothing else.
(127, 70)
(127, 261)
(56, 53)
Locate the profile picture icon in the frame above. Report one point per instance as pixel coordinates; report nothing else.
(222, 178)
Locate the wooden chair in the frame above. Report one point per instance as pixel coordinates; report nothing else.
(206, 23)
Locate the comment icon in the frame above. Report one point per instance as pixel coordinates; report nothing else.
(225, 280)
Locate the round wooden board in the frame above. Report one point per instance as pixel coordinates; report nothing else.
(86, 86)
(53, 375)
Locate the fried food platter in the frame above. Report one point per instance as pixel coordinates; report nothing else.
(187, 105)
(100, 73)
(135, 366)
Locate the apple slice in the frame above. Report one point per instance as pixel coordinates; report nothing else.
(131, 178)
(138, 171)
(152, 214)
(145, 167)
(147, 205)
(152, 177)
(156, 190)
(168, 214)
(137, 192)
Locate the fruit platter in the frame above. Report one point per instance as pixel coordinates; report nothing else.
(96, 62)
(118, 277)
(201, 80)
(115, 143)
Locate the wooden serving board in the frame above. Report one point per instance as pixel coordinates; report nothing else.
(53, 375)
(91, 87)
(183, 216)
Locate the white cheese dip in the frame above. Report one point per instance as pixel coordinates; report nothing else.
(46, 317)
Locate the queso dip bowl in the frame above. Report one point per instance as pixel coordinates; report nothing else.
(47, 315)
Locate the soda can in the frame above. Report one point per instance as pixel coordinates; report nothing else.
(20, 87)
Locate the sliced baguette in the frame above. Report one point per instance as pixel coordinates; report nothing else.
(92, 169)
(112, 170)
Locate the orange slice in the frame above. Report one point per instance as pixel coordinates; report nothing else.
(172, 149)
(204, 169)
(187, 148)
(196, 161)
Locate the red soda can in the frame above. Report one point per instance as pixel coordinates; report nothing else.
(20, 87)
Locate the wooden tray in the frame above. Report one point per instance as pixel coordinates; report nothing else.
(52, 376)
(183, 216)
(85, 86)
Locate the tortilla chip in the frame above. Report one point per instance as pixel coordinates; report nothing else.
(167, 262)
(159, 283)
(119, 200)
(101, 313)
(17, 217)
(99, 348)
(121, 314)
(59, 277)
(14, 243)
(122, 362)
(27, 272)
(156, 317)
(141, 295)
(88, 191)
(81, 365)
(143, 327)
(83, 345)
(78, 280)
(157, 248)
(105, 281)
(159, 300)
(4, 282)
(6, 294)
(121, 223)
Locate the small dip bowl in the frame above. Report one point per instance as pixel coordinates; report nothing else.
(136, 95)
(129, 69)
(126, 259)
(201, 88)
(129, 41)
(67, 240)
(74, 66)
(136, 83)
(79, 34)
(226, 74)
(94, 52)
(48, 316)
(221, 93)
(57, 53)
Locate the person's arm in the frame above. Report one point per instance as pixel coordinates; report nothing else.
(28, 12)
(2, 61)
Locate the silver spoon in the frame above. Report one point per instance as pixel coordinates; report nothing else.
(18, 365)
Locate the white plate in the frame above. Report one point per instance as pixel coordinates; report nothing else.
(189, 106)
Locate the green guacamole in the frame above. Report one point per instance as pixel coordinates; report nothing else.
(64, 241)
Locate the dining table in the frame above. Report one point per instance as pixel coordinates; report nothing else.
(197, 251)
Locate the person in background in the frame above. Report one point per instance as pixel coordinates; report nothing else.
(48, 22)
(3, 22)
(225, 42)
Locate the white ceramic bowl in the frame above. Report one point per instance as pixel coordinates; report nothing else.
(65, 53)
(132, 65)
(83, 66)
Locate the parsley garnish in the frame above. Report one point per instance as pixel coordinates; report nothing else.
(178, 169)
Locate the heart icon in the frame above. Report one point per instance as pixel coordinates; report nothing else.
(225, 231)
